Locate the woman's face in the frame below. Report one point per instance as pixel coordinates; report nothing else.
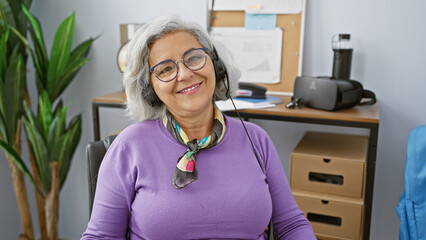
(191, 92)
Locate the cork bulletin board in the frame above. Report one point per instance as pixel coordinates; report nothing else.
(292, 46)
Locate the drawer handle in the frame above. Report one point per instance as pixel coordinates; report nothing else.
(324, 201)
(325, 178)
(326, 160)
(313, 217)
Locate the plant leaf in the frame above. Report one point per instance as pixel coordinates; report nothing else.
(60, 53)
(3, 67)
(57, 128)
(14, 7)
(25, 42)
(3, 52)
(76, 61)
(17, 160)
(83, 49)
(45, 113)
(74, 131)
(39, 46)
(3, 134)
(60, 152)
(38, 33)
(38, 147)
(14, 92)
(27, 3)
(67, 78)
(58, 108)
(6, 13)
(10, 14)
(30, 116)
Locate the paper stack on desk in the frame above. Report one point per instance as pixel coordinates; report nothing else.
(248, 103)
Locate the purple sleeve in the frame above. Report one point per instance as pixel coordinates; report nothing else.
(289, 221)
(114, 193)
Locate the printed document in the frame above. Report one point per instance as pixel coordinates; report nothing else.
(257, 52)
(259, 6)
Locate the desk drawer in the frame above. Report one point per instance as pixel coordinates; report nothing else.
(327, 175)
(332, 217)
(329, 163)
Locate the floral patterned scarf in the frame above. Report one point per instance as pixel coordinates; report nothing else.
(186, 172)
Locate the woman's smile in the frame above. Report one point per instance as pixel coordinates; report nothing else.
(191, 89)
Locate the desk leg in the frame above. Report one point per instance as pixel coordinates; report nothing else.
(95, 113)
(369, 188)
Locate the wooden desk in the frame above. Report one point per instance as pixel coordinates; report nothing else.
(366, 117)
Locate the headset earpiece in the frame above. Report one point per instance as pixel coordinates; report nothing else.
(149, 94)
(220, 71)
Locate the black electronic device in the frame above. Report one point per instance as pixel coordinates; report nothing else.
(251, 90)
(219, 67)
(330, 94)
(150, 95)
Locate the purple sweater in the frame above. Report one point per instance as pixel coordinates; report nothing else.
(230, 199)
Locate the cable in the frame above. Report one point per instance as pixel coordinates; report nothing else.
(209, 29)
(270, 231)
(248, 135)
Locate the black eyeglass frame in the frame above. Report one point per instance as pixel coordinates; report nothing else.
(151, 70)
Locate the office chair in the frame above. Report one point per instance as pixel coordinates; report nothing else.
(95, 154)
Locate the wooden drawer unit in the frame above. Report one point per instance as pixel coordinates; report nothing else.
(327, 175)
(329, 163)
(332, 217)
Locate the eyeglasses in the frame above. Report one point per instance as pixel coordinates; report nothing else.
(194, 60)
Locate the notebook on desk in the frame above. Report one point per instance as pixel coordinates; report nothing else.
(248, 103)
(260, 101)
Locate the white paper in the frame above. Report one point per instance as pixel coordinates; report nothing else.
(259, 6)
(274, 6)
(257, 52)
(226, 105)
(228, 5)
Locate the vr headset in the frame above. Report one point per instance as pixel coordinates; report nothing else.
(329, 94)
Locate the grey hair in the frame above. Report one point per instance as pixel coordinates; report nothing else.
(136, 78)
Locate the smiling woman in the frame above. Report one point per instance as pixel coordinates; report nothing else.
(189, 97)
(185, 170)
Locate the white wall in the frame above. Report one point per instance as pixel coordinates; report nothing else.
(389, 55)
(100, 76)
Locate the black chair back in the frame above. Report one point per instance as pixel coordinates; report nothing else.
(95, 154)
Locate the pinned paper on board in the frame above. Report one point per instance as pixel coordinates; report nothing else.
(257, 52)
(259, 6)
(260, 21)
(274, 6)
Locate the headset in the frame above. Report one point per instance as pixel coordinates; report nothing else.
(150, 96)
(220, 71)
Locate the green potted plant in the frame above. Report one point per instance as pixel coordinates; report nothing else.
(13, 76)
(51, 141)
